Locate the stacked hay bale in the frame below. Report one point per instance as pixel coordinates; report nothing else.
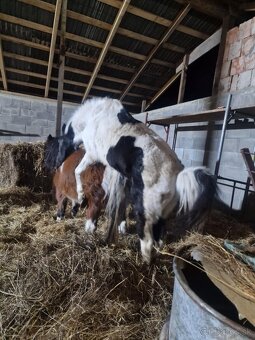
(22, 165)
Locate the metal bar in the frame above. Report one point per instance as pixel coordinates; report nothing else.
(233, 194)
(223, 132)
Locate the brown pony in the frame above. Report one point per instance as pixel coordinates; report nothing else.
(65, 188)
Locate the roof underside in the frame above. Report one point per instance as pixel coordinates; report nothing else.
(26, 28)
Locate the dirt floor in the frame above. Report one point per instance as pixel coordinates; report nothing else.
(57, 282)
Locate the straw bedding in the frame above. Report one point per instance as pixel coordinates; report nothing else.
(57, 282)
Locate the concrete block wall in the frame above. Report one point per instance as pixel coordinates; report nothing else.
(29, 115)
(238, 71)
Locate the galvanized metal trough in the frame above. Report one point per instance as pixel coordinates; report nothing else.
(200, 311)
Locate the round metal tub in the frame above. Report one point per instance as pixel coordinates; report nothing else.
(192, 318)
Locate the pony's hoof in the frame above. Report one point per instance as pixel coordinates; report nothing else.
(90, 227)
(122, 227)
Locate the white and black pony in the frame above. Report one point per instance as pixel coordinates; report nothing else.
(157, 181)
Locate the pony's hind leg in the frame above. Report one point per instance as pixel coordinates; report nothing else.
(146, 242)
(61, 208)
(158, 232)
(75, 208)
(86, 160)
(92, 214)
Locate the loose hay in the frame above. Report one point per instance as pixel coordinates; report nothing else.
(22, 165)
(57, 282)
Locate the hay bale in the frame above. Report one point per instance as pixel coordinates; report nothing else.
(22, 165)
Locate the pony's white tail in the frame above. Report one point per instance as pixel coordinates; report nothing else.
(196, 188)
(114, 185)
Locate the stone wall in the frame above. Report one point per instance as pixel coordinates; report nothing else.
(238, 69)
(22, 116)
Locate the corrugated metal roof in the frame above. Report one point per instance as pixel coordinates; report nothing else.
(26, 45)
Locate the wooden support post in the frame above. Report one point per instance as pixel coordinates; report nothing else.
(183, 79)
(52, 45)
(225, 27)
(61, 70)
(2, 69)
(143, 105)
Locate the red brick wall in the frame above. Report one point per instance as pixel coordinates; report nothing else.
(238, 70)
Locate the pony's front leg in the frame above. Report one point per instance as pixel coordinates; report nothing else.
(86, 160)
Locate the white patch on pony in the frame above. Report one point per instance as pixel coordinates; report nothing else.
(146, 248)
(122, 227)
(58, 219)
(90, 226)
(62, 166)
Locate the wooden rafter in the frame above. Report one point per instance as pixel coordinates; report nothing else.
(247, 6)
(82, 40)
(163, 89)
(209, 7)
(74, 70)
(155, 18)
(67, 81)
(41, 87)
(170, 30)
(52, 45)
(108, 42)
(61, 70)
(2, 69)
(101, 24)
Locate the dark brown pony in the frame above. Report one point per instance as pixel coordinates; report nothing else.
(65, 188)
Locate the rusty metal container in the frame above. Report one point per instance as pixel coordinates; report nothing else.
(200, 311)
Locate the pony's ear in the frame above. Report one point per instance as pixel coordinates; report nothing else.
(49, 138)
(63, 128)
(70, 132)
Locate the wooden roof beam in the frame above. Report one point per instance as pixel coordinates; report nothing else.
(2, 69)
(52, 45)
(170, 30)
(157, 19)
(101, 24)
(73, 70)
(82, 40)
(209, 7)
(247, 6)
(163, 89)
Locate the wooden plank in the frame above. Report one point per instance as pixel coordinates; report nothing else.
(166, 35)
(108, 42)
(101, 24)
(52, 45)
(2, 68)
(203, 48)
(26, 23)
(247, 6)
(211, 8)
(219, 63)
(155, 18)
(245, 152)
(40, 4)
(61, 71)
(183, 79)
(25, 58)
(163, 89)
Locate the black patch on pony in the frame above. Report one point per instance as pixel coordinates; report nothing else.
(126, 158)
(125, 117)
(57, 149)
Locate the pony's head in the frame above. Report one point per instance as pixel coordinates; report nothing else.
(57, 149)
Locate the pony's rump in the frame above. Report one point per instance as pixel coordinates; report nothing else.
(196, 188)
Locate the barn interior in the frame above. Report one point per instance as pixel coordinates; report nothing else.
(184, 68)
